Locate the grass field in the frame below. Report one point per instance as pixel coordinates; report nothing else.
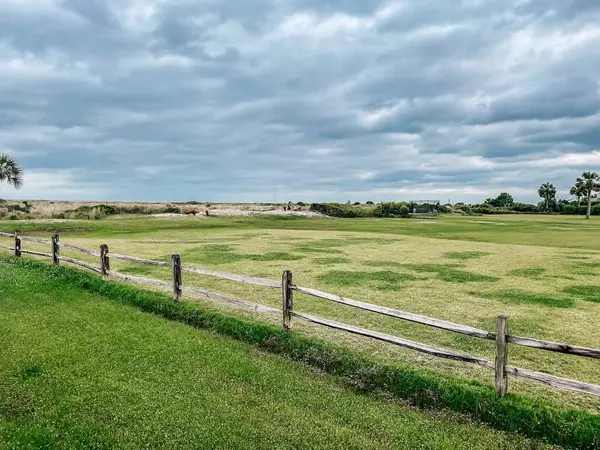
(78, 370)
(542, 271)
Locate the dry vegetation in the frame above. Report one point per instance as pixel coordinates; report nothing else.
(67, 210)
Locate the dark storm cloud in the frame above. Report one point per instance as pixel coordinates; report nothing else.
(323, 100)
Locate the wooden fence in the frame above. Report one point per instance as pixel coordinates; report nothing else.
(500, 366)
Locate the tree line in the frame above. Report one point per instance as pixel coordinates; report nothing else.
(584, 188)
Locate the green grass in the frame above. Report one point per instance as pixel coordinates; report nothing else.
(225, 254)
(137, 269)
(84, 366)
(584, 292)
(527, 298)
(382, 280)
(543, 230)
(465, 255)
(330, 261)
(450, 274)
(532, 272)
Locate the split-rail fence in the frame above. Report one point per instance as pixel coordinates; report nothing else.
(501, 336)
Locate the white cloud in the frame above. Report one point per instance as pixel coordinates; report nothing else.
(363, 99)
(43, 184)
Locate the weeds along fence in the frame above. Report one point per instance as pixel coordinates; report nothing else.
(501, 336)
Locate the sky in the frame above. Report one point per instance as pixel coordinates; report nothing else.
(299, 100)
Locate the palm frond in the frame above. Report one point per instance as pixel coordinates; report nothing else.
(11, 171)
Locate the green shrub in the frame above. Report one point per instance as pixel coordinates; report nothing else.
(404, 212)
(301, 204)
(338, 210)
(172, 209)
(369, 202)
(389, 209)
(24, 208)
(523, 207)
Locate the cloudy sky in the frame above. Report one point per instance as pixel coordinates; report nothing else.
(314, 100)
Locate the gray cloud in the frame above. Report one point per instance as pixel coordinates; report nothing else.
(317, 100)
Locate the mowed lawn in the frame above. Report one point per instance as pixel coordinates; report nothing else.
(81, 371)
(541, 271)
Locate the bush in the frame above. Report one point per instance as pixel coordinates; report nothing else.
(338, 210)
(301, 204)
(390, 209)
(172, 209)
(95, 214)
(523, 207)
(404, 212)
(24, 208)
(369, 202)
(191, 210)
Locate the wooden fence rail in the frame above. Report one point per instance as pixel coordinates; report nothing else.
(500, 365)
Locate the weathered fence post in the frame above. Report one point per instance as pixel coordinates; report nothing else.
(288, 299)
(501, 356)
(55, 249)
(104, 260)
(176, 262)
(17, 243)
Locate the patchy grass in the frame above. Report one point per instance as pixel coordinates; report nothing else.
(589, 265)
(465, 255)
(584, 292)
(110, 375)
(376, 263)
(513, 297)
(382, 280)
(306, 248)
(532, 272)
(521, 242)
(450, 274)
(330, 261)
(225, 254)
(333, 245)
(138, 269)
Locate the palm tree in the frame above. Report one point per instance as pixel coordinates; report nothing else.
(10, 171)
(547, 191)
(590, 182)
(578, 190)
